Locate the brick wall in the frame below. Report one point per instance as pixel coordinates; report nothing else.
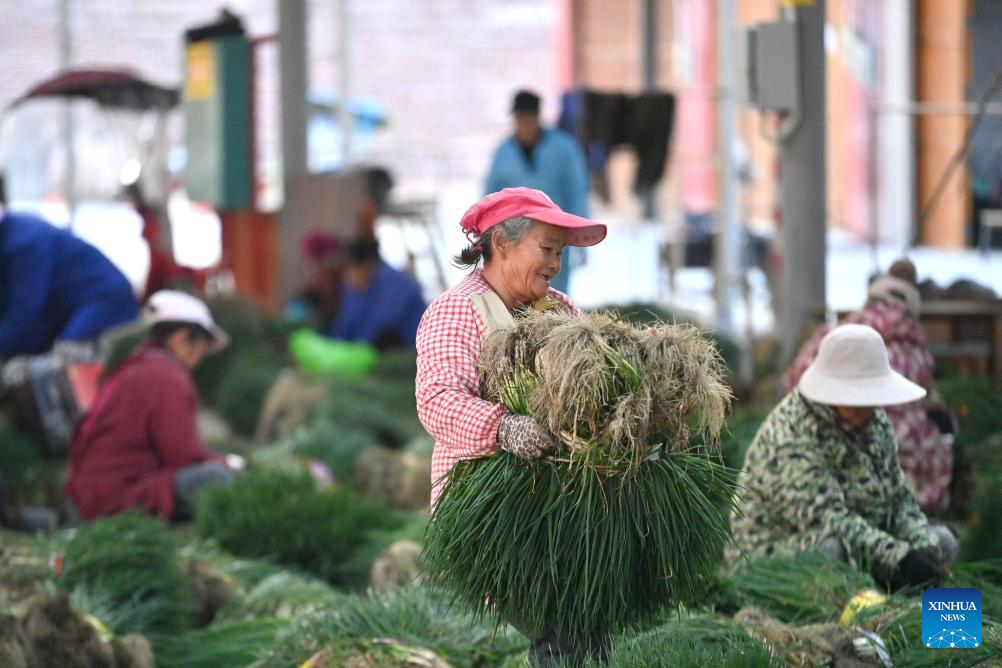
(447, 72)
(445, 69)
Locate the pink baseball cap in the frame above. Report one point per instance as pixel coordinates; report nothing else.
(511, 202)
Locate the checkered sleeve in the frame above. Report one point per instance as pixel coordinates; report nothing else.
(447, 386)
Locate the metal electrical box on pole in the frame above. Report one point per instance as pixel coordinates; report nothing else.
(219, 136)
(785, 75)
(776, 61)
(217, 115)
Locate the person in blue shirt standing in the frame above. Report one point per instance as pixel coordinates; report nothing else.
(380, 305)
(55, 287)
(546, 159)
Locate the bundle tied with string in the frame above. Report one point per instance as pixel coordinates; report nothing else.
(627, 519)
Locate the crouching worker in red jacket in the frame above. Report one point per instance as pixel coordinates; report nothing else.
(139, 445)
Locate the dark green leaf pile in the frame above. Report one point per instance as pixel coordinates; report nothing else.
(235, 643)
(810, 587)
(556, 547)
(21, 459)
(697, 641)
(381, 625)
(130, 560)
(983, 538)
(337, 446)
(283, 516)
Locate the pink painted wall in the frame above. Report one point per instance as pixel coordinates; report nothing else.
(858, 173)
(563, 46)
(696, 135)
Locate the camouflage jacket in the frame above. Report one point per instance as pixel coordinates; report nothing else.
(806, 478)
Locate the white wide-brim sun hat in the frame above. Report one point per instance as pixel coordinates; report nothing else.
(852, 369)
(175, 306)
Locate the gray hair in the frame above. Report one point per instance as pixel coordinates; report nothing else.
(512, 230)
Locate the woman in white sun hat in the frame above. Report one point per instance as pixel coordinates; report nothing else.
(924, 429)
(822, 473)
(139, 446)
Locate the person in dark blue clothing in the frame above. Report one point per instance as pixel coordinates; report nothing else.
(55, 287)
(546, 159)
(379, 304)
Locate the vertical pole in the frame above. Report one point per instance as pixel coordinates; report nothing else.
(649, 41)
(803, 191)
(292, 49)
(649, 73)
(69, 133)
(726, 256)
(345, 118)
(295, 159)
(896, 128)
(874, 186)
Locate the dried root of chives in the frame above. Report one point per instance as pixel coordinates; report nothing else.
(608, 389)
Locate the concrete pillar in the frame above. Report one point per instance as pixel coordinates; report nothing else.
(803, 189)
(727, 267)
(896, 210)
(295, 156)
(345, 119)
(294, 85)
(69, 124)
(648, 42)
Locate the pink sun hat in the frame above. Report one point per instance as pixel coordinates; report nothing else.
(511, 202)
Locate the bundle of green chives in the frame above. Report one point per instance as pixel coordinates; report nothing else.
(283, 516)
(131, 562)
(806, 588)
(601, 536)
(378, 625)
(232, 643)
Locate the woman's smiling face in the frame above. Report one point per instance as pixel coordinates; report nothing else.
(527, 267)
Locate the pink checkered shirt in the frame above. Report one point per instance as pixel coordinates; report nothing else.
(449, 341)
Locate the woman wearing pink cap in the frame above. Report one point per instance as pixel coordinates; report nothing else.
(519, 234)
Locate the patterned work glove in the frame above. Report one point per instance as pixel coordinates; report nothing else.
(523, 437)
(943, 418)
(654, 453)
(918, 567)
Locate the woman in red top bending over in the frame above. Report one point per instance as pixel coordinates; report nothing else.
(139, 445)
